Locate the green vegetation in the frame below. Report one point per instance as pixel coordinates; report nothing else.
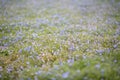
(59, 40)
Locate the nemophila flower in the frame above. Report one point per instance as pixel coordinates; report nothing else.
(27, 63)
(102, 71)
(4, 37)
(87, 63)
(78, 71)
(20, 51)
(102, 59)
(21, 78)
(36, 66)
(102, 78)
(38, 72)
(108, 50)
(60, 63)
(0, 75)
(0, 28)
(115, 61)
(97, 66)
(34, 35)
(62, 32)
(36, 78)
(28, 48)
(1, 69)
(84, 56)
(48, 73)
(115, 46)
(6, 44)
(18, 38)
(72, 47)
(56, 16)
(70, 61)
(23, 23)
(65, 75)
(38, 57)
(56, 52)
(85, 78)
(76, 57)
(21, 67)
(42, 21)
(29, 79)
(117, 31)
(100, 52)
(9, 70)
(56, 67)
(53, 78)
(32, 57)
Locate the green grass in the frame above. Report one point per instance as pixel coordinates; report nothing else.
(59, 40)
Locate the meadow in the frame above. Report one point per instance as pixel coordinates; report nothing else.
(59, 40)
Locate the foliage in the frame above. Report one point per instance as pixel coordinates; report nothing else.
(59, 40)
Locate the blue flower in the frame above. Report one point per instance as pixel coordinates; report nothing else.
(84, 56)
(65, 75)
(62, 32)
(100, 52)
(20, 51)
(0, 75)
(38, 72)
(29, 79)
(28, 48)
(97, 66)
(115, 46)
(115, 61)
(34, 35)
(53, 79)
(35, 78)
(102, 71)
(1, 69)
(27, 63)
(72, 48)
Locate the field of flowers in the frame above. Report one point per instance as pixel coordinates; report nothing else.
(59, 40)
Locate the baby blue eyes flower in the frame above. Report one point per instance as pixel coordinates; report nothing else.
(27, 63)
(53, 79)
(84, 56)
(65, 75)
(97, 66)
(100, 52)
(28, 48)
(1, 69)
(20, 51)
(38, 72)
(34, 35)
(115, 61)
